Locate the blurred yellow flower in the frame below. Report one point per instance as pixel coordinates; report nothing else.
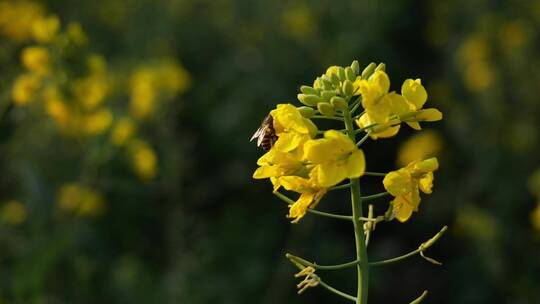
(45, 29)
(25, 88)
(298, 22)
(76, 33)
(144, 159)
(476, 223)
(13, 212)
(81, 200)
(143, 93)
(405, 184)
(97, 122)
(90, 92)
(421, 145)
(335, 157)
(56, 107)
(478, 76)
(310, 195)
(17, 18)
(36, 59)
(172, 77)
(535, 217)
(123, 130)
(513, 35)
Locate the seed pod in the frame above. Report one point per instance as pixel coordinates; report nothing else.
(381, 67)
(349, 73)
(308, 90)
(309, 100)
(307, 112)
(338, 103)
(326, 109)
(368, 70)
(348, 88)
(355, 66)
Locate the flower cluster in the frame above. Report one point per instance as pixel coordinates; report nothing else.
(310, 162)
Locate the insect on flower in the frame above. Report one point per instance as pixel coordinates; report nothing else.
(265, 134)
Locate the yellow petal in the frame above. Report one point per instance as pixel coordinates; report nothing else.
(398, 182)
(299, 208)
(331, 174)
(401, 208)
(356, 164)
(415, 125)
(288, 141)
(414, 92)
(424, 166)
(426, 183)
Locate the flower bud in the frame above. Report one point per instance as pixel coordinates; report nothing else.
(326, 109)
(334, 79)
(348, 88)
(368, 70)
(341, 74)
(307, 112)
(308, 90)
(326, 83)
(349, 73)
(355, 66)
(338, 103)
(326, 95)
(381, 67)
(309, 100)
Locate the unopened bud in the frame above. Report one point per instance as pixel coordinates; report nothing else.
(381, 67)
(326, 109)
(355, 66)
(348, 88)
(309, 100)
(368, 70)
(338, 103)
(349, 73)
(307, 112)
(308, 90)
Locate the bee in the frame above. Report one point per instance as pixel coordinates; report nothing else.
(265, 134)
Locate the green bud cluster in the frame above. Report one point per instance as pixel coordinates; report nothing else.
(332, 91)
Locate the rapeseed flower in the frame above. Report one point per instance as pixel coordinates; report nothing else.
(291, 127)
(36, 59)
(405, 184)
(25, 88)
(274, 164)
(335, 157)
(144, 159)
(123, 130)
(13, 213)
(310, 194)
(45, 29)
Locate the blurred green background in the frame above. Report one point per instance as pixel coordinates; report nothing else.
(126, 162)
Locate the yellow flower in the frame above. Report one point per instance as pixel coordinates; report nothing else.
(291, 127)
(123, 131)
(25, 88)
(385, 111)
(56, 107)
(335, 157)
(17, 17)
(90, 92)
(13, 213)
(36, 59)
(420, 146)
(310, 195)
(405, 184)
(143, 93)
(97, 122)
(82, 200)
(144, 159)
(76, 33)
(535, 217)
(45, 29)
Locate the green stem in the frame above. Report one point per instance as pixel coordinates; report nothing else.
(359, 143)
(322, 283)
(420, 251)
(374, 196)
(362, 268)
(326, 214)
(374, 174)
(326, 117)
(344, 186)
(420, 298)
